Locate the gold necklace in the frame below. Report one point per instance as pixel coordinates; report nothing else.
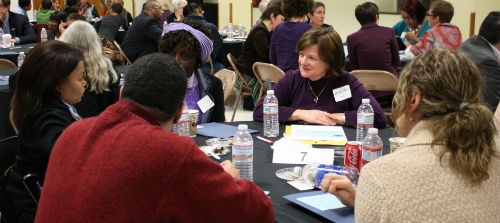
(316, 97)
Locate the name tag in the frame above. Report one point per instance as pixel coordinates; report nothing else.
(342, 93)
(205, 103)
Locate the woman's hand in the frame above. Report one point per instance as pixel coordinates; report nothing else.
(229, 168)
(313, 117)
(339, 186)
(411, 36)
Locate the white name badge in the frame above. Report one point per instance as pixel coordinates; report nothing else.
(342, 93)
(205, 103)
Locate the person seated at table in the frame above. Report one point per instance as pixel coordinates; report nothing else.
(256, 48)
(316, 17)
(284, 39)
(191, 47)
(142, 37)
(42, 16)
(72, 6)
(23, 6)
(167, 10)
(16, 25)
(125, 14)
(109, 25)
(169, 179)
(414, 25)
(102, 80)
(447, 169)
(484, 50)
(320, 91)
(42, 107)
(55, 5)
(88, 9)
(443, 34)
(373, 47)
(178, 7)
(54, 32)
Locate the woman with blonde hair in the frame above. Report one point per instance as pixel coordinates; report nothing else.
(447, 169)
(102, 80)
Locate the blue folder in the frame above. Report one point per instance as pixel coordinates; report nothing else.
(343, 214)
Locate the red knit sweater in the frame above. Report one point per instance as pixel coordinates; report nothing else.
(122, 167)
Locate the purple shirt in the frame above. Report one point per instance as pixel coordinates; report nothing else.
(373, 48)
(293, 93)
(283, 42)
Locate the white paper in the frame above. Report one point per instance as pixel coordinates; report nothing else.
(342, 93)
(303, 156)
(299, 185)
(318, 133)
(322, 202)
(205, 103)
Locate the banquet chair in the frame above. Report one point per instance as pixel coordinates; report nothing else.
(228, 79)
(244, 90)
(6, 64)
(266, 72)
(121, 52)
(377, 80)
(8, 151)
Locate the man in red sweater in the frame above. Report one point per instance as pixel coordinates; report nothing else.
(125, 166)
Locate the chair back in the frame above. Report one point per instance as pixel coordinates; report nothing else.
(244, 83)
(38, 30)
(266, 72)
(228, 79)
(376, 80)
(8, 152)
(121, 52)
(6, 64)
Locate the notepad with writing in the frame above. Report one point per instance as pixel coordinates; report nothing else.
(317, 134)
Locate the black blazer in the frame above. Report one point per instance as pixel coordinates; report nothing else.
(142, 37)
(20, 27)
(92, 104)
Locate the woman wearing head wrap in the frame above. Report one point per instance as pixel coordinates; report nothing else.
(192, 48)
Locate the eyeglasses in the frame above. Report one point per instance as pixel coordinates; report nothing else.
(406, 17)
(429, 14)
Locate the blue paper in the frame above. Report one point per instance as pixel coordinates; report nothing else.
(323, 201)
(218, 130)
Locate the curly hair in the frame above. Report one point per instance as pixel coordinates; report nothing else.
(451, 97)
(296, 8)
(97, 66)
(186, 40)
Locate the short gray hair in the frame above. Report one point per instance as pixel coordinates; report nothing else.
(263, 5)
(176, 3)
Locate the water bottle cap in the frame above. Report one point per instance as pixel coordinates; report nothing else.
(242, 127)
(373, 131)
(270, 91)
(21, 53)
(365, 101)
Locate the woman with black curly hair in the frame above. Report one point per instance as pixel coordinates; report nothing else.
(282, 50)
(192, 46)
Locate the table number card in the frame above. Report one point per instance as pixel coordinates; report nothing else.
(303, 156)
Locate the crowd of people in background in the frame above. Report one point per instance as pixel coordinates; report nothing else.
(96, 143)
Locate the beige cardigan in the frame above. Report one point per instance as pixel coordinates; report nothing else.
(411, 185)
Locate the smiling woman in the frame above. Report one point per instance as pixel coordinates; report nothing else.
(320, 91)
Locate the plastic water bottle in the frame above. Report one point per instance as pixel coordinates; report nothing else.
(364, 120)
(314, 172)
(372, 147)
(243, 152)
(241, 29)
(182, 126)
(271, 117)
(230, 31)
(43, 35)
(20, 60)
(1, 40)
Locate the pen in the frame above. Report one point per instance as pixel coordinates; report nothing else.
(265, 140)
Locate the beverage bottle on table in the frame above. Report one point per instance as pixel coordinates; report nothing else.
(243, 152)
(315, 172)
(43, 35)
(20, 60)
(182, 127)
(230, 31)
(271, 118)
(372, 147)
(364, 119)
(241, 29)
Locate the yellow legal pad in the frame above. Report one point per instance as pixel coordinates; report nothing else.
(288, 132)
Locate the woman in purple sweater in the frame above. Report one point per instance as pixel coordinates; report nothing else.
(320, 91)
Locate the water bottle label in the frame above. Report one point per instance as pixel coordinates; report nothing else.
(270, 109)
(242, 151)
(184, 118)
(365, 118)
(376, 149)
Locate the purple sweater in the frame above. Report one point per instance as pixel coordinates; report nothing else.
(293, 93)
(283, 42)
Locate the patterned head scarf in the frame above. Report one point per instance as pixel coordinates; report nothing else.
(205, 42)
